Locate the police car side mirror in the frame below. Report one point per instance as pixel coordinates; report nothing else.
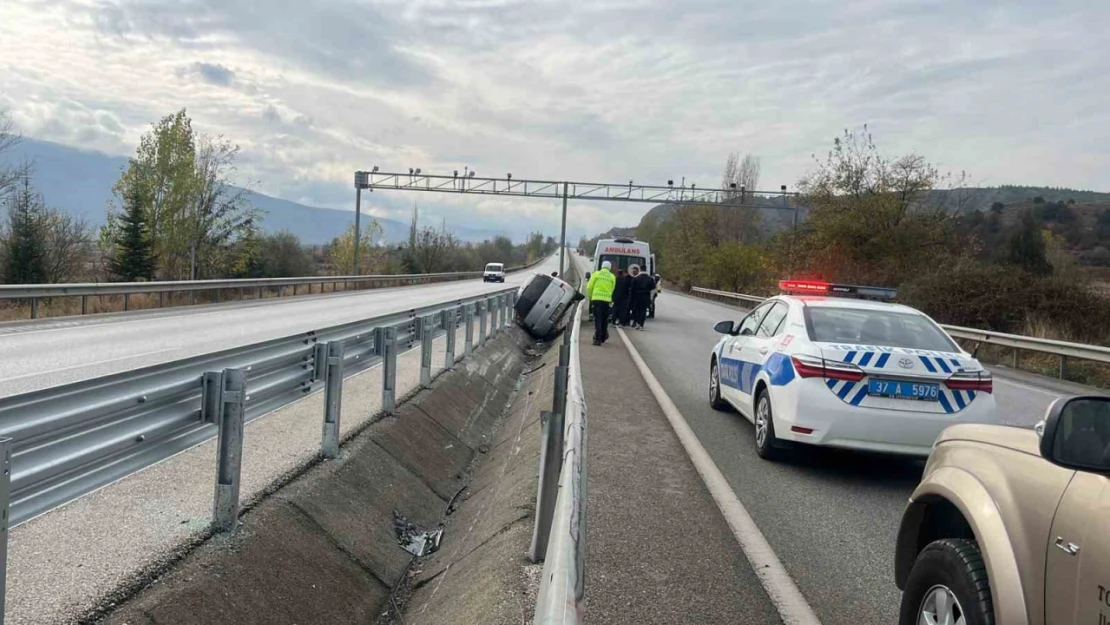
(724, 327)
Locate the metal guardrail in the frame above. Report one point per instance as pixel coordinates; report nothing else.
(1018, 343)
(563, 585)
(559, 535)
(35, 292)
(67, 441)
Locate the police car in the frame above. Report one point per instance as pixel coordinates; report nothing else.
(830, 364)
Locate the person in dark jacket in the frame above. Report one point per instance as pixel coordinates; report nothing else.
(621, 302)
(641, 289)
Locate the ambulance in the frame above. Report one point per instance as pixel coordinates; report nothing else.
(623, 253)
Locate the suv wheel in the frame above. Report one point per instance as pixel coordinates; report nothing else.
(715, 401)
(948, 584)
(767, 445)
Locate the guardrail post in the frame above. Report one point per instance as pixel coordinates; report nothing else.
(481, 322)
(389, 369)
(551, 464)
(161, 299)
(495, 324)
(84, 304)
(34, 308)
(1063, 366)
(468, 345)
(1015, 361)
(333, 399)
(450, 323)
(126, 301)
(229, 450)
(427, 335)
(559, 398)
(5, 517)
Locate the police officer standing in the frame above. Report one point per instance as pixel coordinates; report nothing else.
(599, 292)
(641, 290)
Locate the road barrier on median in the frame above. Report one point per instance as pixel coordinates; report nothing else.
(1062, 349)
(559, 538)
(35, 292)
(67, 441)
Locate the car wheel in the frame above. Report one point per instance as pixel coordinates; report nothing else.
(766, 443)
(715, 401)
(948, 584)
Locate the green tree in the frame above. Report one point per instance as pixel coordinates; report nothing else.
(278, 255)
(163, 174)
(195, 216)
(26, 238)
(1027, 245)
(133, 258)
(871, 217)
(371, 256)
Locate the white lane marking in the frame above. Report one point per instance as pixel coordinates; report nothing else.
(47, 372)
(1026, 387)
(784, 594)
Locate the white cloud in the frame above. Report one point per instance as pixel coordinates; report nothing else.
(602, 90)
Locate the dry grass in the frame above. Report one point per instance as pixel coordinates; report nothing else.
(1080, 371)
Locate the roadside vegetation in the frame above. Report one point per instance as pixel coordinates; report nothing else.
(1029, 266)
(180, 212)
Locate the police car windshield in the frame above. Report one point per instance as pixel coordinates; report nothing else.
(875, 327)
(622, 261)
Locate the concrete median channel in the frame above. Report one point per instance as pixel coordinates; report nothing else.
(325, 547)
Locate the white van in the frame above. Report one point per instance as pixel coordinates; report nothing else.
(494, 272)
(623, 252)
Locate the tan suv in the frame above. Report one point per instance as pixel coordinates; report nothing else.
(1012, 526)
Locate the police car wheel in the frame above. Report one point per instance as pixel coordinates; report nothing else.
(766, 443)
(715, 401)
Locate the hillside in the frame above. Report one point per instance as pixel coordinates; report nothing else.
(80, 181)
(1080, 218)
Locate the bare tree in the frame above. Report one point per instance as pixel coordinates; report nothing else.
(68, 242)
(744, 173)
(218, 213)
(8, 140)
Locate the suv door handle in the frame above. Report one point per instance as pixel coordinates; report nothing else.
(763, 351)
(1071, 548)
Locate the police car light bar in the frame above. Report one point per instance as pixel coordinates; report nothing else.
(814, 287)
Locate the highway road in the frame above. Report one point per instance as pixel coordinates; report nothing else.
(58, 351)
(831, 517)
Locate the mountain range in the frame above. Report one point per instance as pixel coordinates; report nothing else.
(80, 181)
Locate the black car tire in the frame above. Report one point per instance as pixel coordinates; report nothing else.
(955, 564)
(769, 448)
(715, 401)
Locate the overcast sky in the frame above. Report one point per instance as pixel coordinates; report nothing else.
(1009, 91)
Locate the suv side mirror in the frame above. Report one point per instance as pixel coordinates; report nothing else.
(724, 327)
(1076, 433)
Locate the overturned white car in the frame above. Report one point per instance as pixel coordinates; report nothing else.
(542, 304)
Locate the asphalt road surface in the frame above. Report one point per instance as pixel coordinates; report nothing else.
(58, 351)
(832, 517)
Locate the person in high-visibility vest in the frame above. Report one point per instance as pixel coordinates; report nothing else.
(599, 292)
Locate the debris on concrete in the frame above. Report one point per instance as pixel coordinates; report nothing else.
(414, 540)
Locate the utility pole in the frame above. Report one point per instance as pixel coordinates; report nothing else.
(362, 179)
(563, 232)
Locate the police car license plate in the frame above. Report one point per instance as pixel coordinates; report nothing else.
(900, 389)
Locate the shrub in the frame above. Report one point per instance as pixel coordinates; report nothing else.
(1006, 298)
